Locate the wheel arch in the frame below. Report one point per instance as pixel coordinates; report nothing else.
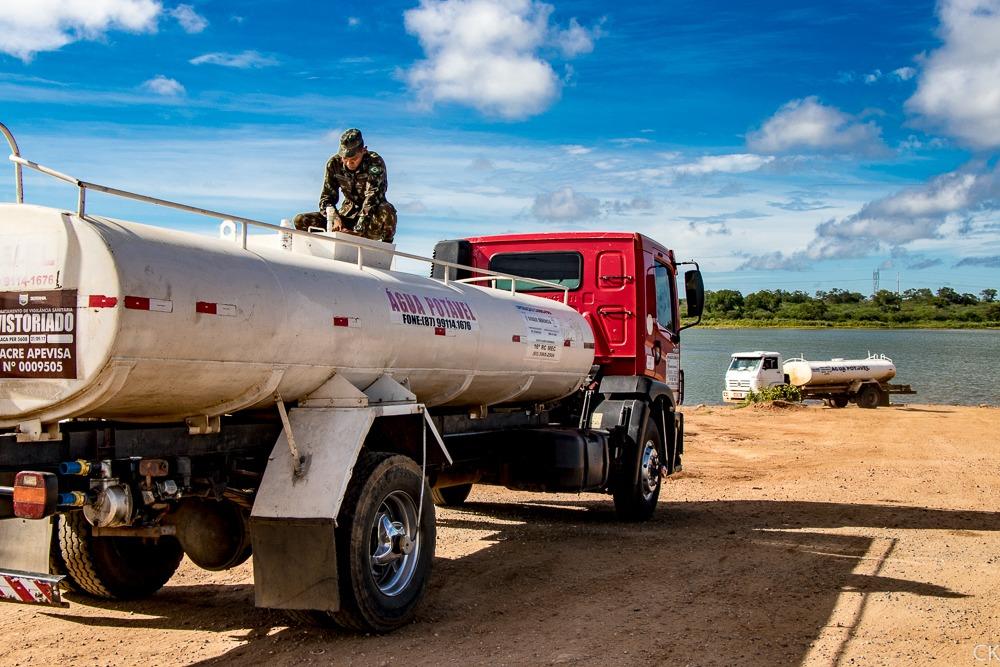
(627, 403)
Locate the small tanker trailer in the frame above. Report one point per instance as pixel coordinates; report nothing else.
(837, 381)
(288, 396)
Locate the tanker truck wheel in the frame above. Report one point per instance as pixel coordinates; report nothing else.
(868, 397)
(839, 401)
(384, 551)
(635, 499)
(451, 496)
(117, 568)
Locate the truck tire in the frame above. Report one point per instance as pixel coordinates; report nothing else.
(116, 568)
(380, 584)
(839, 401)
(57, 565)
(636, 495)
(868, 397)
(451, 496)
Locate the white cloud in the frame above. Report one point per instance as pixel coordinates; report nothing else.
(244, 60)
(873, 76)
(904, 73)
(807, 124)
(957, 90)
(576, 39)
(353, 21)
(627, 142)
(165, 86)
(565, 205)
(485, 54)
(950, 200)
(736, 163)
(576, 149)
(28, 27)
(191, 21)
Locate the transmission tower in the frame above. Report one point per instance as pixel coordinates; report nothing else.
(875, 282)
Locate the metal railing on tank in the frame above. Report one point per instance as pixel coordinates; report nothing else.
(245, 224)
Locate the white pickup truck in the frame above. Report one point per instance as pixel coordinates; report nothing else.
(836, 382)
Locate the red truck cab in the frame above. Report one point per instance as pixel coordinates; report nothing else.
(623, 283)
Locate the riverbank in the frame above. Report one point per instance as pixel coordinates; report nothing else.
(853, 324)
(793, 536)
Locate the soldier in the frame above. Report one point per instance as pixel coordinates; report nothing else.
(360, 175)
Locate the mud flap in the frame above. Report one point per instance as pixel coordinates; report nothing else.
(25, 544)
(293, 519)
(24, 563)
(295, 564)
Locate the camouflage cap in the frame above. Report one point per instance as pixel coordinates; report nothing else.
(351, 142)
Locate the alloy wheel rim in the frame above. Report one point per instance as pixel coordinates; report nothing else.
(394, 544)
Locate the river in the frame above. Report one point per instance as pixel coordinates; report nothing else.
(949, 366)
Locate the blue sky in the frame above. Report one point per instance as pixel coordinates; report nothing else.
(783, 145)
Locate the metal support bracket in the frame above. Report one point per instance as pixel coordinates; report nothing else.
(387, 390)
(35, 431)
(437, 436)
(298, 461)
(204, 425)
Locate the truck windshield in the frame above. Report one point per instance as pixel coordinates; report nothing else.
(744, 364)
(562, 268)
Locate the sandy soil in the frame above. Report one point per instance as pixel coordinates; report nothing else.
(794, 536)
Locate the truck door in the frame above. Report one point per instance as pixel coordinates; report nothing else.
(663, 355)
(770, 373)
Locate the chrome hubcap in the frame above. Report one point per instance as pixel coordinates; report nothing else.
(649, 475)
(394, 543)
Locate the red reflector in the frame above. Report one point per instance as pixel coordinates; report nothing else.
(101, 301)
(341, 322)
(137, 302)
(206, 307)
(515, 339)
(567, 343)
(35, 494)
(439, 331)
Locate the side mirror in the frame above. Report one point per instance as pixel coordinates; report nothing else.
(694, 287)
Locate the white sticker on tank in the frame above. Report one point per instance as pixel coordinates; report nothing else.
(431, 312)
(29, 261)
(543, 334)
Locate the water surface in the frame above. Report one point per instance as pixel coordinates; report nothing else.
(949, 366)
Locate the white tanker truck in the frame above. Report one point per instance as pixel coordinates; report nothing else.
(287, 395)
(836, 382)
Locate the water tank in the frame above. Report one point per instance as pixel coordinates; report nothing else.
(112, 319)
(803, 373)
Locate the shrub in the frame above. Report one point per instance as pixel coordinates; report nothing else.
(781, 392)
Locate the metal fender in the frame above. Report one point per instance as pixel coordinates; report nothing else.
(293, 519)
(294, 516)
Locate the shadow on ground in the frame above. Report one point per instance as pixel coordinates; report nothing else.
(723, 582)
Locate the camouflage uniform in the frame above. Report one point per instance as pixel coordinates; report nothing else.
(364, 210)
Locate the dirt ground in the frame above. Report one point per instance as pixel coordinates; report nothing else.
(793, 536)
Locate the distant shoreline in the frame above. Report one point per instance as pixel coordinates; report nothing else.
(812, 324)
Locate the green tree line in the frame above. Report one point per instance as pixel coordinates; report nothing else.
(838, 307)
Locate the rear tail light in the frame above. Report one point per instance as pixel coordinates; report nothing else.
(36, 494)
